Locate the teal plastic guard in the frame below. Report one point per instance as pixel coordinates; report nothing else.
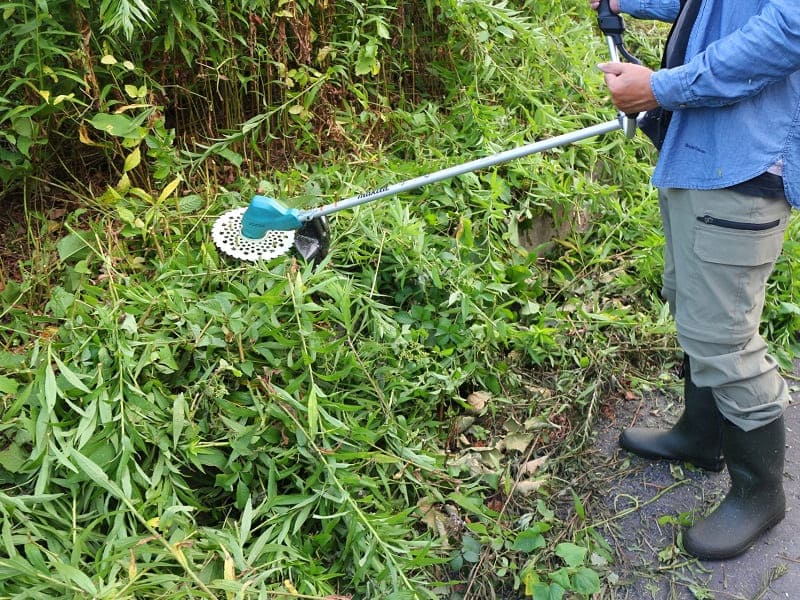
(265, 214)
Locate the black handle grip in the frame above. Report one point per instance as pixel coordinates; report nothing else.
(613, 26)
(609, 22)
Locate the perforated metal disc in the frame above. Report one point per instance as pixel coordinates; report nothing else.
(227, 236)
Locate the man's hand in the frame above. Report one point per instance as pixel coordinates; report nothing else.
(612, 4)
(629, 85)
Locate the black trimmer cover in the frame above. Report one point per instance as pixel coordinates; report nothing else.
(313, 239)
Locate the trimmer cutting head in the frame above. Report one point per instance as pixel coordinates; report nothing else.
(228, 237)
(266, 229)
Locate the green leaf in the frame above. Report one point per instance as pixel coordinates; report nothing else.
(125, 215)
(116, 125)
(367, 62)
(72, 245)
(561, 577)
(579, 509)
(232, 157)
(169, 189)
(790, 308)
(70, 376)
(178, 419)
(50, 388)
(77, 577)
(82, 267)
(24, 145)
(543, 591)
(246, 522)
(470, 549)
(505, 31)
(129, 324)
(9, 360)
(12, 458)
(132, 160)
(473, 505)
(382, 30)
(95, 473)
(8, 385)
(313, 411)
(16, 565)
(60, 302)
(23, 127)
(528, 541)
(190, 204)
(586, 581)
(572, 554)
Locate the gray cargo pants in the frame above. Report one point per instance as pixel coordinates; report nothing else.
(721, 248)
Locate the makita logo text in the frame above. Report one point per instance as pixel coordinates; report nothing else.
(372, 193)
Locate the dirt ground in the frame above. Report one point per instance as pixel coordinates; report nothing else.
(641, 502)
(13, 240)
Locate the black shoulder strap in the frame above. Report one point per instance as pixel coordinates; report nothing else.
(678, 38)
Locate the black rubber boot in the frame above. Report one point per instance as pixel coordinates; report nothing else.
(755, 501)
(696, 437)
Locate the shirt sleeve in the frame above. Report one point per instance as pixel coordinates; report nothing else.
(661, 10)
(764, 50)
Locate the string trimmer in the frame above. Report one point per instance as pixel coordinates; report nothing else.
(267, 229)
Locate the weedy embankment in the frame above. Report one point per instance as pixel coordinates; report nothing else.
(404, 419)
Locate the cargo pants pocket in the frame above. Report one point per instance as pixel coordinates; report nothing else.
(735, 260)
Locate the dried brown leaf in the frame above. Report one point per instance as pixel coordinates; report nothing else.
(530, 467)
(527, 487)
(478, 400)
(435, 519)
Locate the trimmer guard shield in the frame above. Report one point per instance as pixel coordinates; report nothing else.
(313, 239)
(267, 214)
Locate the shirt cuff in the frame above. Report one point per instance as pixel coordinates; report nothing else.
(669, 89)
(663, 10)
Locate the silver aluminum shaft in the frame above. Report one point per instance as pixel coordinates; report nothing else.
(468, 167)
(628, 123)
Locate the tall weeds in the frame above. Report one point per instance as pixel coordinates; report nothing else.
(247, 82)
(391, 423)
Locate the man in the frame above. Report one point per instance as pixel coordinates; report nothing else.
(727, 98)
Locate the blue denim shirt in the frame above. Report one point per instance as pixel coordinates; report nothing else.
(736, 101)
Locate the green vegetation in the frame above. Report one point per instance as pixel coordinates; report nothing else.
(399, 421)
